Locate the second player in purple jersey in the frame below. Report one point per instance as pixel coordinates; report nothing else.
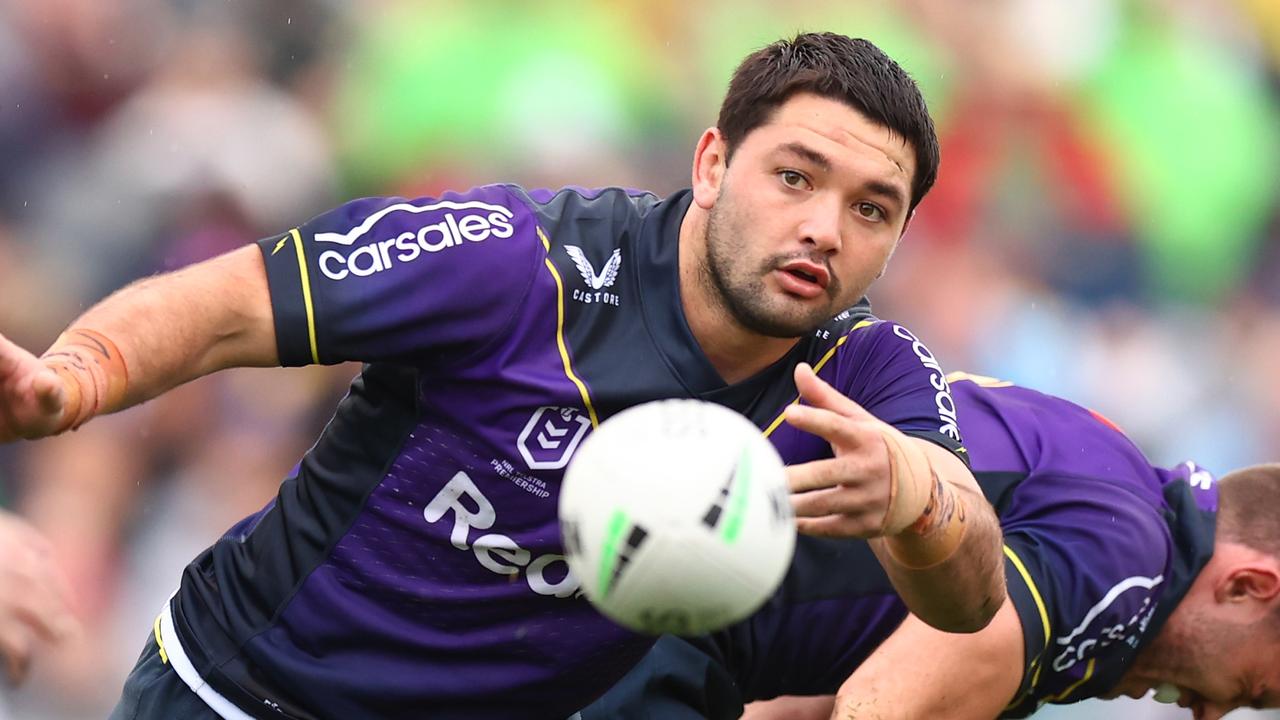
(1100, 547)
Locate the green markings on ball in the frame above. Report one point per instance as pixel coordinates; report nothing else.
(609, 558)
(622, 539)
(738, 497)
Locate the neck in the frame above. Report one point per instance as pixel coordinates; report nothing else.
(1172, 655)
(734, 351)
(1149, 669)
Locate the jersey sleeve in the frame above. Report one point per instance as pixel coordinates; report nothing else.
(895, 377)
(428, 280)
(1084, 566)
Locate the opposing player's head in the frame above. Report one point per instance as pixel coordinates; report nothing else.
(1221, 646)
(823, 148)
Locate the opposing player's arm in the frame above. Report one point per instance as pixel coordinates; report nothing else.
(145, 339)
(933, 531)
(971, 676)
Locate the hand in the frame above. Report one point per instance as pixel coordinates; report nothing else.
(852, 494)
(33, 596)
(31, 395)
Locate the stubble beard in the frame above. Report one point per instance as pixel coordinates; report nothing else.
(741, 292)
(1187, 648)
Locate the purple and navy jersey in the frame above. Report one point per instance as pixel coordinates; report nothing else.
(412, 565)
(1099, 545)
(1099, 548)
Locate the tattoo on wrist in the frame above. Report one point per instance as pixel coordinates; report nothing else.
(944, 508)
(93, 373)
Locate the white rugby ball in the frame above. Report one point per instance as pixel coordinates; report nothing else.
(676, 518)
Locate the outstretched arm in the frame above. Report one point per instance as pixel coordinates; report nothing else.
(931, 528)
(966, 676)
(921, 672)
(143, 340)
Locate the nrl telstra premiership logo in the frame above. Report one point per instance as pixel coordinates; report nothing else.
(550, 437)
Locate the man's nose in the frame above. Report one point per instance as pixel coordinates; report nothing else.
(821, 228)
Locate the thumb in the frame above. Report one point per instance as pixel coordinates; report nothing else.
(49, 392)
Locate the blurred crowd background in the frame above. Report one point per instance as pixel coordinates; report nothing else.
(1106, 224)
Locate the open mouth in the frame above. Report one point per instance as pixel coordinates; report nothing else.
(808, 272)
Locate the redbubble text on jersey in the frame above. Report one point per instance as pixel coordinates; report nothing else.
(546, 574)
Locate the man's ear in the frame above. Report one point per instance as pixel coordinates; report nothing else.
(1251, 585)
(709, 163)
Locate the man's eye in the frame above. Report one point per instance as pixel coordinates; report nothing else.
(870, 211)
(793, 179)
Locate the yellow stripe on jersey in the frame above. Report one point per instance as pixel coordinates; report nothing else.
(164, 657)
(1035, 592)
(1088, 673)
(1036, 667)
(1018, 701)
(564, 349)
(306, 295)
(979, 380)
(818, 366)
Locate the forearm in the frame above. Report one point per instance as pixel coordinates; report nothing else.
(791, 707)
(967, 677)
(163, 331)
(884, 693)
(947, 567)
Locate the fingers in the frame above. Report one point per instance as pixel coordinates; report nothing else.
(45, 609)
(838, 497)
(830, 472)
(842, 500)
(31, 407)
(839, 526)
(844, 435)
(843, 511)
(33, 596)
(832, 416)
(15, 644)
(818, 393)
(49, 393)
(32, 396)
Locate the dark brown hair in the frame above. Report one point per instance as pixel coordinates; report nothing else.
(852, 71)
(1249, 508)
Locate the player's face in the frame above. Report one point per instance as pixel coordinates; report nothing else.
(808, 212)
(1217, 667)
(1240, 669)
